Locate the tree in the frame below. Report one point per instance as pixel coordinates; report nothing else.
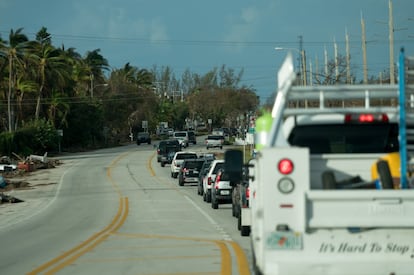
(15, 51)
(50, 64)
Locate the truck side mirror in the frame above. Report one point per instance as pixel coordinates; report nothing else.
(233, 165)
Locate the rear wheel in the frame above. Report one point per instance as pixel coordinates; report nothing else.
(245, 230)
(233, 210)
(208, 196)
(214, 204)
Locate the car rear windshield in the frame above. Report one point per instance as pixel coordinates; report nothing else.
(215, 137)
(218, 166)
(193, 164)
(186, 156)
(182, 134)
(346, 138)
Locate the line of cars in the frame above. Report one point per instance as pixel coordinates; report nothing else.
(213, 183)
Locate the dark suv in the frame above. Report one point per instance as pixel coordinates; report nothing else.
(166, 150)
(189, 171)
(192, 137)
(143, 137)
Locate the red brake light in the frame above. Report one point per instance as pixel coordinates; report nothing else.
(247, 193)
(285, 166)
(209, 180)
(366, 118)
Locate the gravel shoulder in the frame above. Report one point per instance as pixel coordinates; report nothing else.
(31, 192)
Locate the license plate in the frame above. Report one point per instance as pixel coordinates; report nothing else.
(225, 192)
(284, 241)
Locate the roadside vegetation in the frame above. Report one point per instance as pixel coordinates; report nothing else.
(55, 98)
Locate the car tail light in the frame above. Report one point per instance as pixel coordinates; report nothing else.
(285, 166)
(366, 118)
(209, 180)
(216, 181)
(247, 193)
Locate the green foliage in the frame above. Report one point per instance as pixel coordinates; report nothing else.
(36, 137)
(6, 143)
(85, 129)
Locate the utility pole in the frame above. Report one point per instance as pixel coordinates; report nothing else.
(336, 62)
(326, 62)
(348, 59)
(364, 51)
(391, 38)
(302, 72)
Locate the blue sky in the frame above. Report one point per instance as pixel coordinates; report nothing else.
(201, 35)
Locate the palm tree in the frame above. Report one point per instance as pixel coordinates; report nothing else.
(96, 64)
(58, 108)
(15, 50)
(51, 66)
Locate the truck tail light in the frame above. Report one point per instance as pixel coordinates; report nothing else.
(285, 166)
(366, 118)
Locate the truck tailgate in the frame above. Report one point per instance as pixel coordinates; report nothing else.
(360, 208)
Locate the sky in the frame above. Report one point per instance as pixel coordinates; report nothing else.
(202, 35)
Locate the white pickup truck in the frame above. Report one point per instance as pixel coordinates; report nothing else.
(316, 207)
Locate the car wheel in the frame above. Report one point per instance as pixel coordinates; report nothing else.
(214, 204)
(204, 197)
(207, 148)
(162, 164)
(181, 183)
(208, 196)
(245, 231)
(239, 222)
(221, 147)
(175, 175)
(172, 174)
(233, 210)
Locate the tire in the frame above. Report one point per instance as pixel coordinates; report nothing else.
(233, 210)
(172, 174)
(175, 175)
(208, 197)
(181, 183)
(385, 174)
(245, 231)
(162, 164)
(204, 197)
(214, 204)
(328, 180)
(239, 226)
(221, 147)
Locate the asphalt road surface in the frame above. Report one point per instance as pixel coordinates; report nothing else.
(117, 211)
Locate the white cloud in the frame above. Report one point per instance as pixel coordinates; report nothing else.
(242, 27)
(158, 30)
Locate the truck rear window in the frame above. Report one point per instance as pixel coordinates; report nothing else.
(346, 138)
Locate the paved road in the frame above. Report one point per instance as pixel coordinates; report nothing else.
(116, 211)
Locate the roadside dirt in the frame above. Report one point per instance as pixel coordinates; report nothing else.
(19, 180)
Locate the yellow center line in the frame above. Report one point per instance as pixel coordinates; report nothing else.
(71, 255)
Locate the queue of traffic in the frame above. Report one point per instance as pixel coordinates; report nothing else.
(206, 170)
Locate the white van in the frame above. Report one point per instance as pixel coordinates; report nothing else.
(182, 137)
